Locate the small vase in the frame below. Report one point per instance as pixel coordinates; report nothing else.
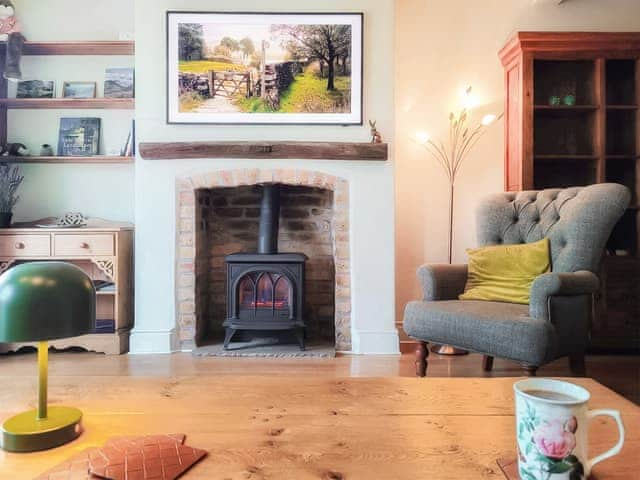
(554, 100)
(5, 219)
(46, 150)
(569, 100)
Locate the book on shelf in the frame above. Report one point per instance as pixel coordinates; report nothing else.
(128, 149)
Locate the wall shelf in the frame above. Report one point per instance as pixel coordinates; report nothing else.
(266, 150)
(79, 48)
(97, 159)
(71, 103)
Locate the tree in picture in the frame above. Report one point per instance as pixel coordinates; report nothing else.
(328, 44)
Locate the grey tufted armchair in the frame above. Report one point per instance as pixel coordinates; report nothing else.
(578, 222)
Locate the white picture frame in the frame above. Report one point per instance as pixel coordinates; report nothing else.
(216, 62)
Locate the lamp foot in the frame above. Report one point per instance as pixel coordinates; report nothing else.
(26, 433)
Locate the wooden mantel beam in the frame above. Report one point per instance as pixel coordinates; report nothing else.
(266, 150)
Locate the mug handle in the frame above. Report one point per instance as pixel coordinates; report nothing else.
(591, 414)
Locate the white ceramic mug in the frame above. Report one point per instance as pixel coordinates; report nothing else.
(552, 428)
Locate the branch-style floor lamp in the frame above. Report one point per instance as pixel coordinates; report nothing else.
(451, 156)
(42, 301)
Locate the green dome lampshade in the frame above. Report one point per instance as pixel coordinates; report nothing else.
(41, 301)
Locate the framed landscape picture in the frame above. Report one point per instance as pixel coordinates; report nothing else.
(35, 89)
(118, 83)
(79, 90)
(79, 137)
(264, 68)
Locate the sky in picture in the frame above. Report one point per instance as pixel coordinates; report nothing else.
(214, 32)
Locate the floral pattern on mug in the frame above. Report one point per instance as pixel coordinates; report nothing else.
(553, 441)
(548, 447)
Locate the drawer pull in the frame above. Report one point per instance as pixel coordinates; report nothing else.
(84, 245)
(19, 246)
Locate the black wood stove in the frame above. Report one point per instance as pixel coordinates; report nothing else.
(265, 290)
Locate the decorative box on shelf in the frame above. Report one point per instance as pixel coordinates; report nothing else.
(101, 248)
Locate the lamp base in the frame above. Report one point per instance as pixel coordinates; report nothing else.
(25, 433)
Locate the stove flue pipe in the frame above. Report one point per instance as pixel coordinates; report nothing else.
(269, 219)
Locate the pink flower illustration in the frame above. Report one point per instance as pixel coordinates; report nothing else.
(553, 441)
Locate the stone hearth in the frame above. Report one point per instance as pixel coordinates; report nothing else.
(218, 215)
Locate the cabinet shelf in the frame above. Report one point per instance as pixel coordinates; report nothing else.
(566, 108)
(622, 157)
(565, 157)
(75, 160)
(70, 103)
(622, 107)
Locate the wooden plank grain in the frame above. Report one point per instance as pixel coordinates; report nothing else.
(280, 428)
(265, 150)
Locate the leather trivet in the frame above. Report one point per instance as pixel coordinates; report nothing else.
(154, 457)
(509, 467)
(74, 468)
(124, 442)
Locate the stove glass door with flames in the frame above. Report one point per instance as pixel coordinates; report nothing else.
(265, 292)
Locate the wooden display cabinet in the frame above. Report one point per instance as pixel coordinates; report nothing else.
(104, 250)
(594, 139)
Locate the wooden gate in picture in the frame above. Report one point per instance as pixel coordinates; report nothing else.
(228, 84)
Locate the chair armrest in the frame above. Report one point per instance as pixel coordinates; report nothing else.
(565, 284)
(442, 282)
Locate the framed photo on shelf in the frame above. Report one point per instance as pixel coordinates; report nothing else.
(35, 89)
(79, 90)
(79, 137)
(264, 68)
(119, 83)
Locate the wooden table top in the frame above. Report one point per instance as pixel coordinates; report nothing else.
(298, 427)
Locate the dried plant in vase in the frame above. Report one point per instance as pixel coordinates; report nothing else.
(10, 180)
(451, 157)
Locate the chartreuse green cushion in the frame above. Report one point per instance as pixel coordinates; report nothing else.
(504, 273)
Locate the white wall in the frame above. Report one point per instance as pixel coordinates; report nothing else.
(372, 199)
(50, 190)
(442, 46)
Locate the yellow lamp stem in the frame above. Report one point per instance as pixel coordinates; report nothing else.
(44, 427)
(43, 364)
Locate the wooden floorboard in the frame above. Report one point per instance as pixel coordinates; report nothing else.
(620, 373)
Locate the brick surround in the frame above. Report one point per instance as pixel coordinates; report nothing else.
(218, 214)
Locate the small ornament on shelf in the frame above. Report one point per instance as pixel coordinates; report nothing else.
(376, 137)
(14, 150)
(554, 100)
(569, 99)
(46, 150)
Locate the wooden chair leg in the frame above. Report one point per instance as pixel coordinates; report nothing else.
(577, 364)
(530, 370)
(422, 352)
(487, 363)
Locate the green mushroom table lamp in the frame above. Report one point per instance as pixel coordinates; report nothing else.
(42, 301)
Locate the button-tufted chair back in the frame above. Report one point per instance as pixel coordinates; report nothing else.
(578, 221)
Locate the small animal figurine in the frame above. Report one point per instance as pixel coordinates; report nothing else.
(376, 137)
(14, 150)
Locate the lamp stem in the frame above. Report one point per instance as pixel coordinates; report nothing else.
(43, 363)
(451, 197)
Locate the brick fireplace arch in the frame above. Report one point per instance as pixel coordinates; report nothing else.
(187, 232)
